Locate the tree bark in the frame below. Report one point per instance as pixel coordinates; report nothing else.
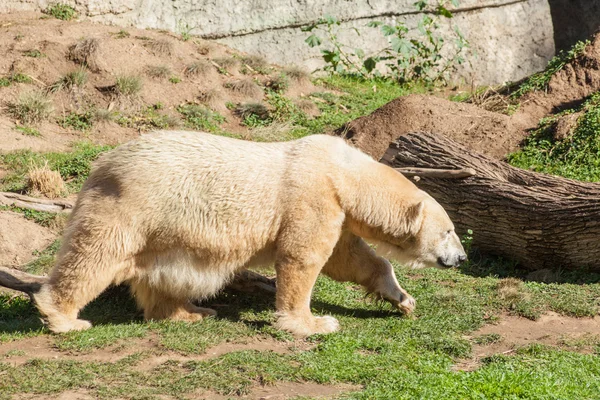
(538, 220)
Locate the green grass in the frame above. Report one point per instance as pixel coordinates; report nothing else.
(386, 355)
(575, 157)
(149, 118)
(73, 166)
(27, 131)
(200, 118)
(78, 121)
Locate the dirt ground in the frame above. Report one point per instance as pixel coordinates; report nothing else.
(119, 52)
(20, 238)
(513, 332)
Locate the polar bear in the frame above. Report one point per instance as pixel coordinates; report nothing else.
(174, 214)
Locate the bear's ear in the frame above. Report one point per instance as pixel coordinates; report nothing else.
(414, 217)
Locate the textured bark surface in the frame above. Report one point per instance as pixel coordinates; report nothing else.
(539, 220)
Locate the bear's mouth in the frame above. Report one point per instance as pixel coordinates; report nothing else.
(441, 262)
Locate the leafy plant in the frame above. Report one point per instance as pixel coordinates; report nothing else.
(410, 56)
(78, 121)
(174, 79)
(35, 53)
(61, 11)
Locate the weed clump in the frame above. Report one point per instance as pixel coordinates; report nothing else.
(279, 83)
(78, 121)
(77, 78)
(31, 107)
(128, 85)
(256, 64)
(297, 73)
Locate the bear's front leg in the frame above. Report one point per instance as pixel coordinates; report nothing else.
(354, 261)
(303, 249)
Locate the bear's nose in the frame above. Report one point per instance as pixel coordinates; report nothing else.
(462, 258)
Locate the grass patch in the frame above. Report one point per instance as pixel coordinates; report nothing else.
(27, 131)
(78, 121)
(77, 78)
(175, 79)
(128, 85)
(575, 157)
(200, 118)
(73, 166)
(160, 46)
(149, 118)
(245, 87)
(198, 68)
(31, 107)
(122, 34)
(256, 64)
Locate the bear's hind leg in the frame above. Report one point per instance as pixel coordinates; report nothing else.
(160, 306)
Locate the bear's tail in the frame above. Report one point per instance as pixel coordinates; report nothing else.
(21, 281)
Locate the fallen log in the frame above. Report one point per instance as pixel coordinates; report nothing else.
(538, 220)
(32, 203)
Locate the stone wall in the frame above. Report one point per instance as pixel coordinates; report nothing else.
(511, 38)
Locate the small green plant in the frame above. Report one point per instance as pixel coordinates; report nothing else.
(174, 79)
(61, 11)
(31, 107)
(19, 77)
(411, 55)
(122, 34)
(5, 82)
(158, 71)
(540, 80)
(35, 53)
(78, 121)
(28, 131)
(185, 30)
(128, 85)
(488, 339)
(253, 114)
(200, 118)
(77, 78)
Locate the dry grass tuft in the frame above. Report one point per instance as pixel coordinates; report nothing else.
(274, 132)
(247, 109)
(307, 107)
(31, 107)
(43, 180)
(256, 63)
(204, 47)
(227, 63)
(85, 52)
(297, 73)
(160, 46)
(198, 68)
(212, 98)
(245, 87)
(158, 71)
(128, 85)
(512, 290)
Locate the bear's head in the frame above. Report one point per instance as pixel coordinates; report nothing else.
(425, 238)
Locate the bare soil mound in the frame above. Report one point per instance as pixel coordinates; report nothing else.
(20, 238)
(568, 87)
(483, 131)
(78, 64)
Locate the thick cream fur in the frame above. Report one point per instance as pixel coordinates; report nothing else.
(175, 214)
